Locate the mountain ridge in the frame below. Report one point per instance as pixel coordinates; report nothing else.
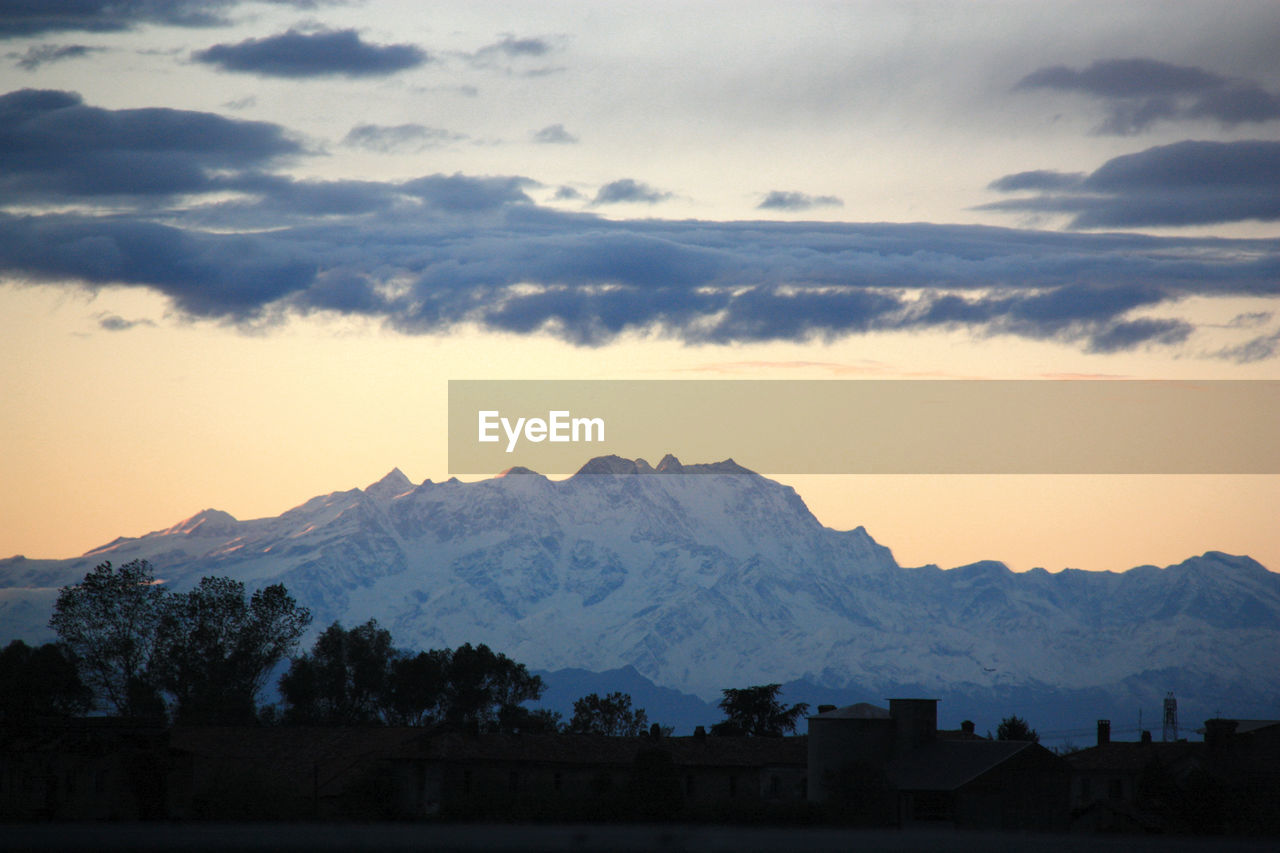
(702, 582)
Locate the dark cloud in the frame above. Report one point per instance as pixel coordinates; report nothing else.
(1039, 179)
(463, 194)
(1186, 183)
(319, 54)
(429, 254)
(554, 134)
(1128, 334)
(1237, 105)
(116, 323)
(43, 54)
(1125, 78)
(1260, 348)
(1140, 92)
(399, 137)
(782, 200)
(567, 193)
(628, 190)
(32, 17)
(54, 146)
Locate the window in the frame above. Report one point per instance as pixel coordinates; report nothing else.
(1115, 789)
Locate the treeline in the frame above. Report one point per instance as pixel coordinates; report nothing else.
(129, 646)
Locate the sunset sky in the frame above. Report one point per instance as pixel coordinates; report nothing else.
(245, 245)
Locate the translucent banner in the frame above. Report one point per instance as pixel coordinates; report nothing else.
(871, 427)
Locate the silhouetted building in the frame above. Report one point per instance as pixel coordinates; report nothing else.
(1227, 783)
(894, 767)
(96, 768)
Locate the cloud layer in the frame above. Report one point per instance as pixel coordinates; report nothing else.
(319, 54)
(1186, 183)
(1141, 92)
(249, 244)
(31, 17)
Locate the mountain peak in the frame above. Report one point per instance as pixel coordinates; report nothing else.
(728, 466)
(670, 465)
(393, 484)
(516, 470)
(207, 522)
(613, 464)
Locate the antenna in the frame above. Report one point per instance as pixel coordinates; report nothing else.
(1170, 733)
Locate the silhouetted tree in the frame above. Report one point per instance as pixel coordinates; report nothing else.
(756, 712)
(40, 682)
(611, 715)
(483, 683)
(345, 679)
(215, 648)
(1016, 728)
(108, 623)
(419, 688)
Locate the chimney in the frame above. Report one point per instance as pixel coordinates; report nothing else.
(1146, 736)
(1104, 732)
(655, 731)
(700, 732)
(966, 726)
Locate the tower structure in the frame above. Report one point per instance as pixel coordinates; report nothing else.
(1170, 733)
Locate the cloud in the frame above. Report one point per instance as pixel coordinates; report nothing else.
(1260, 348)
(399, 137)
(1038, 179)
(1141, 92)
(782, 200)
(512, 55)
(320, 54)
(627, 190)
(54, 146)
(463, 194)
(43, 54)
(1186, 183)
(511, 46)
(115, 323)
(32, 17)
(554, 134)
(241, 242)
(568, 193)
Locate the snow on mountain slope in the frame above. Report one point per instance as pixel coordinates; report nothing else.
(701, 577)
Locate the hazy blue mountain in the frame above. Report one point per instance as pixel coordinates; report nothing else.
(709, 576)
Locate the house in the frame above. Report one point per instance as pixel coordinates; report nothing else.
(95, 768)
(895, 767)
(1227, 783)
(413, 772)
(588, 776)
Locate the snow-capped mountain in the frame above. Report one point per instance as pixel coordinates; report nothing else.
(703, 577)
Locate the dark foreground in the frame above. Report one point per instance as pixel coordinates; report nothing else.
(388, 838)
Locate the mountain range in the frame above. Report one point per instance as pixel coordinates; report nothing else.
(701, 577)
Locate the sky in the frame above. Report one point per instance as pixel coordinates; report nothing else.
(245, 245)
